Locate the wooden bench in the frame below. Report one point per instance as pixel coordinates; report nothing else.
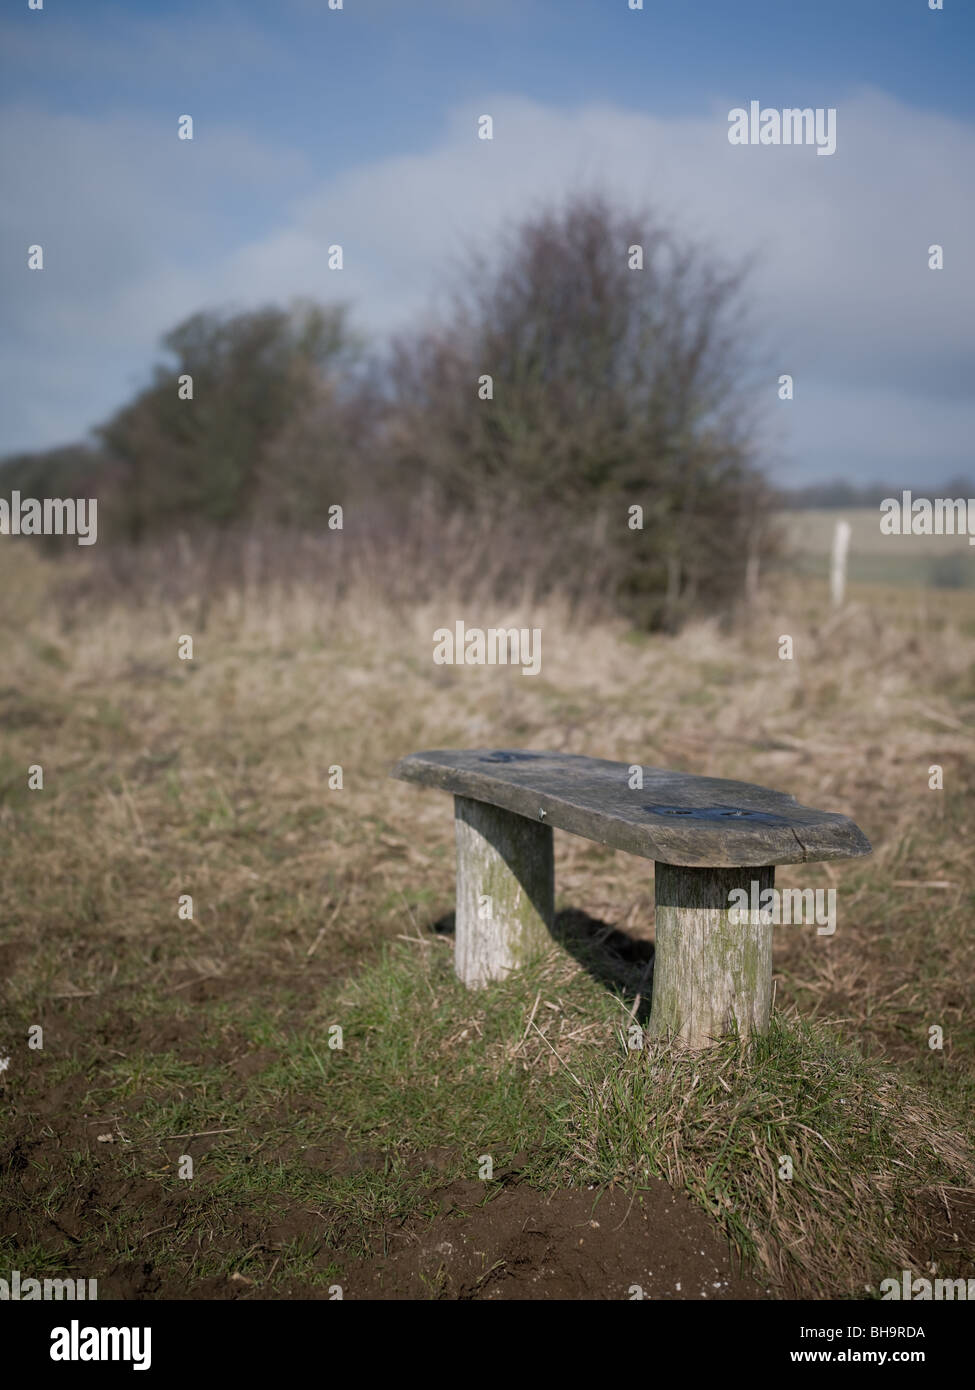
(708, 837)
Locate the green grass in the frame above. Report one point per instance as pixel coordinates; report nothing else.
(427, 1067)
(157, 784)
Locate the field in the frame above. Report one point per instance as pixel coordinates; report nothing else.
(318, 1167)
(941, 562)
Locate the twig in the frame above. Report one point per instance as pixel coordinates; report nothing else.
(557, 1057)
(213, 975)
(922, 883)
(335, 912)
(409, 910)
(945, 719)
(497, 1264)
(531, 1018)
(199, 1133)
(147, 1234)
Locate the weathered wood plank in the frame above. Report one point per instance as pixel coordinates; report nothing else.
(711, 976)
(505, 891)
(675, 817)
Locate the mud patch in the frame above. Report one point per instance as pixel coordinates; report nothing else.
(571, 1244)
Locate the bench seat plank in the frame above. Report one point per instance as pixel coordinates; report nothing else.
(675, 817)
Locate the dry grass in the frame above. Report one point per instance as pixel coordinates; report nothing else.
(210, 777)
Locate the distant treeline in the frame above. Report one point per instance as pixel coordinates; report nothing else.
(839, 494)
(579, 412)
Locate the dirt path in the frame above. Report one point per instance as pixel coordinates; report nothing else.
(571, 1244)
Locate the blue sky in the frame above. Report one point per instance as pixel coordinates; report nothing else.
(357, 126)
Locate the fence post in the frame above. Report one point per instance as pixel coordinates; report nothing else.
(837, 577)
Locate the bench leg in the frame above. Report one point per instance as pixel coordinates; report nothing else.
(505, 891)
(711, 976)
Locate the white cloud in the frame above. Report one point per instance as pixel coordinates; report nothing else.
(878, 344)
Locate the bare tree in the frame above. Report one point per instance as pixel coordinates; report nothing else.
(618, 379)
